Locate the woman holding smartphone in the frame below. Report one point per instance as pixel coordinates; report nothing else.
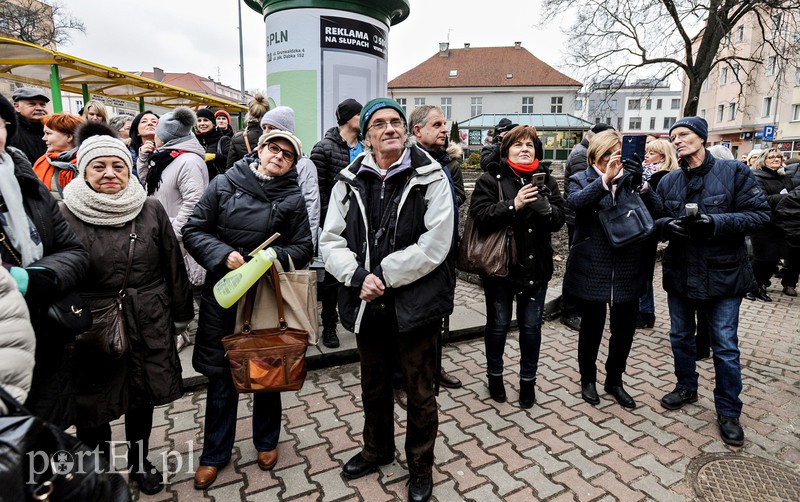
(598, 274)
(531, 204)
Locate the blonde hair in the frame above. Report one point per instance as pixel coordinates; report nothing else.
(761, 161)
(99, 108)
(600, 144)
(256, 108)
(664, 148)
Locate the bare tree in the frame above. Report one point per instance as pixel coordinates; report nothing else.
(611, 41)
(46, 24)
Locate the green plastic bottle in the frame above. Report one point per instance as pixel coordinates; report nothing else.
(236, 282)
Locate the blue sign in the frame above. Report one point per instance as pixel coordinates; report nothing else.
(769, 133)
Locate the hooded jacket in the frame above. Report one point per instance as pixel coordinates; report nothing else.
(182, 184)
(414, 268)
(237, 213)
(727, 192)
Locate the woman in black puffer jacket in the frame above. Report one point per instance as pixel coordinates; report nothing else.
(533, 214)
(769, 245)
(598, 274)
(240, 210)
(244, 142)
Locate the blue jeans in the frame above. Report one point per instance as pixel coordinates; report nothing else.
(723, 323)
(219, 431)
(647, 304)
(499, 293)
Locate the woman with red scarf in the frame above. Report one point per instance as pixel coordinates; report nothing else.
(514, 193)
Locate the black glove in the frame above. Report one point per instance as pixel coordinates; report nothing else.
(633, 167)
(541, 206)
(544, 191)
(700, 227)
(676, 228)
(497, 140)
(42, 286)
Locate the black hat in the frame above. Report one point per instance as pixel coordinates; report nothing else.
(600, 127)
(206, 114)
(698, 125)
(346, 110)
(29, 93)
(9, 116)
(504, 125)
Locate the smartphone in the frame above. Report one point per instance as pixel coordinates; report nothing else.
(536, 179)
(633, 144)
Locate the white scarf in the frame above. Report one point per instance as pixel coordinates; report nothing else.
(18, 228)
(104, 209)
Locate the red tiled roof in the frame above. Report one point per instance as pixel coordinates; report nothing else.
(190, 81)
(483, 67)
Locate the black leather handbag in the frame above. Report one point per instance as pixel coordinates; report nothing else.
(71, 314)
(626, 222)
(41, 462)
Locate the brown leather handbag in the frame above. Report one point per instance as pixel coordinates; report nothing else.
(487, 254)
(268, 359)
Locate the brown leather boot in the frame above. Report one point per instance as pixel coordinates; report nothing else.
(204, 477)
(267, 459)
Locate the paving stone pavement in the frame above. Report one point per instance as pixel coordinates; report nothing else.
(561, 449)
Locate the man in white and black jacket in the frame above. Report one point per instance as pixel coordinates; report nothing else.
(387, 236)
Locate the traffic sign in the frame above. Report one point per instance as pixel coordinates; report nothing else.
(769, 133)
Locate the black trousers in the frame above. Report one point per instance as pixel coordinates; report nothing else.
(380, 347)
(138, 426)
(328, 293)
(623, 326)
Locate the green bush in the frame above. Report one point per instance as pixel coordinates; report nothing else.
(474, 159)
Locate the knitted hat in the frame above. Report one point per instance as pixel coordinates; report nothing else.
(504, 125)
(376, 104)
(102, 146)
(281, 118)
(206, 114)
(346, 110)
(223, 112)
(698, 125)
(9, 116)
(600, 127)
(176, 124)
(288, 136)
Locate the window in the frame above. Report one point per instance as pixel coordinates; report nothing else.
(675, 104)
(703, 112)
(795, 113)
(776, 24)
(772, 65)
(739, 33)
(720, 112)
(527, 104)
(726, 40)
(613, 104)
(619, 123)
(797, 77)
(704, 87)
(658, 104)
(419, 102)
(648, 104)
(635, 123)
(766, 107)
(556, 104)
(402, 103)
(447, 108)
(670, 121)
(453, 73)
(634, 104)
(476, 107)
(735, 71)
(597, 120)
(723, 76)
(608, 120)
(592, 105)
(652, 122)
(578, 105)
(731, 111)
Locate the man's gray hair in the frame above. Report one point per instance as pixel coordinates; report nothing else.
(420, 115)
(406, 144)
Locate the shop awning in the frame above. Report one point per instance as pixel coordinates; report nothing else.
(36, 65)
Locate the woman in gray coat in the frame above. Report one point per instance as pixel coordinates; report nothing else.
(108, 209)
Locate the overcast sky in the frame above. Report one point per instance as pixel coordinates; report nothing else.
(201, 36)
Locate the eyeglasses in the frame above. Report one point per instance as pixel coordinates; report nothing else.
(287, 154)
(775, 157)
(381, 125)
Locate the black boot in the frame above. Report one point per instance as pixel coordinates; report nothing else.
(329, 338)
(527, 393)
(420, 487)
(147, 476)
(497, 388)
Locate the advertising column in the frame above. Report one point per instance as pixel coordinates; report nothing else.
(318, 57)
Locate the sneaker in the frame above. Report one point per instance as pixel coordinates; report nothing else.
(329, 338)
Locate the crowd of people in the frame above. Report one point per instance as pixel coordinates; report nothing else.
(151, 212)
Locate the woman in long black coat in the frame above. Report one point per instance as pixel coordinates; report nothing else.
(599, 275)
(240, 210)
(106, 205)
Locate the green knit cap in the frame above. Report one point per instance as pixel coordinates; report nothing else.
(376, 104)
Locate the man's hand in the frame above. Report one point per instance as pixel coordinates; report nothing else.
(371, 288)
(701, 227)
(676, 228)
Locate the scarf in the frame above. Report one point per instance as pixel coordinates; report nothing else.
(16, 224)
(104, 209)
(650, 169)
(158, 162)
(523, 169)
(276, 187)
